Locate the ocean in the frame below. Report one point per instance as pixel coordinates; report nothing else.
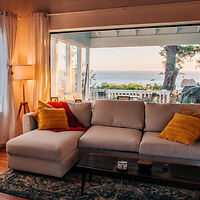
(139, 77)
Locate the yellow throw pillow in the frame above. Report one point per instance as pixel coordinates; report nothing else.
(41, 104)
(186, 111)
(182, 128)
(50, 118)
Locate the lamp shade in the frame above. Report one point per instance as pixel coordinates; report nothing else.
(23, 72)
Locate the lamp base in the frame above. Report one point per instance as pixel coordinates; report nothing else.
(25, 107)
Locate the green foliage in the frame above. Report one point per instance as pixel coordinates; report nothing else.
(130, 86)
(183, 53)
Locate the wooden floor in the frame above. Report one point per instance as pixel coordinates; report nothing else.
(3, 169)
(3, 161)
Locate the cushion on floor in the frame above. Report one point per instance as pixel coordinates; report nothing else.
(111, 138)
(44, 144)
(154, 146)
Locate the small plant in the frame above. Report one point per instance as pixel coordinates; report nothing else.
(130, 86)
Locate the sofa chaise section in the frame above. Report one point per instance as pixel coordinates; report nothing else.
(46, 152)
(32, 152)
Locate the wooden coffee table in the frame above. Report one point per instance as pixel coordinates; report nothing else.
(176, 175)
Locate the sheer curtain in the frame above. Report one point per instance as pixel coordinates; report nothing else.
(8, 119)
(39, 56)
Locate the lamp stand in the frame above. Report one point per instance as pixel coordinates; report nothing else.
(23, 104)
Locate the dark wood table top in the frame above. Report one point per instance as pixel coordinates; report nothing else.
(177, 175)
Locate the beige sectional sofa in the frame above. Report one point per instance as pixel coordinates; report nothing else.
(121, 128)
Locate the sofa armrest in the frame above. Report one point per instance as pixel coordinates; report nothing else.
(29, 123)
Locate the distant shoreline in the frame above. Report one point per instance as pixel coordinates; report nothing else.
(143, 71)
(138, 77)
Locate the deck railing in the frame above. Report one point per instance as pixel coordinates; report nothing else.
(163, 96)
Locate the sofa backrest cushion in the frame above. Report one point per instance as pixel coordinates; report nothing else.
(157, 116)
(128, 114)
(83, 112)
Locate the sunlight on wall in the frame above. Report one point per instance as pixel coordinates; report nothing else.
(23, 9)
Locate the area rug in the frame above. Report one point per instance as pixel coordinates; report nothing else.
(38, 187)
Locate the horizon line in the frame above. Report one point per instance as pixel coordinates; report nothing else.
(142, 70)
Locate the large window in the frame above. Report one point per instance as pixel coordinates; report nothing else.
(132, 63)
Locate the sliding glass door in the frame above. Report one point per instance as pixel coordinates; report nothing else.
(68, 69)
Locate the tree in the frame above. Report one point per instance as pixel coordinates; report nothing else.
(175, 58)
(171, 71)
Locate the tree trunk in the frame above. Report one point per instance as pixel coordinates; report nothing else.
(171, 71)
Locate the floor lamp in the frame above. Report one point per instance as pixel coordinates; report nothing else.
(23, 73)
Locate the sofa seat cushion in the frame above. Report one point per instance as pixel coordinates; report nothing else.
(44, 144)
(111, 138)
(154, 146)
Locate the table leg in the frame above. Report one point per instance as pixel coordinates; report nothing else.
(83, 183)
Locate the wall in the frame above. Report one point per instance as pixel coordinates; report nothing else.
(23, 9)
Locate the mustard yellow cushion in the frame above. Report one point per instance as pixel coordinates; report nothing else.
(52, 118)
(186, 111)
(182, 128)
(41, 104)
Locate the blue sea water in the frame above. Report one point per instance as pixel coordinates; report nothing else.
(139, 77)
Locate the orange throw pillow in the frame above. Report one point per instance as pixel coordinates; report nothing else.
(41, 104)
(182, 128)
(52, 118)
(186, 111)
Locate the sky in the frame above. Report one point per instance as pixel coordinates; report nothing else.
(131, 59)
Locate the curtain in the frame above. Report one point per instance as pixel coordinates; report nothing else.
(8, 121)
(39, 56)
